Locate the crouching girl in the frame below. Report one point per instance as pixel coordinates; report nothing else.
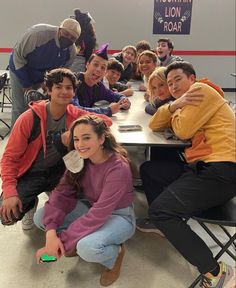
(90, 213)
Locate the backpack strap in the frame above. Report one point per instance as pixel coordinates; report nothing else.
(36, 129)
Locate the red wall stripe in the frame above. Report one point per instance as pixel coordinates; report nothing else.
(5, 50)
(196, 52)
(176, 52)
(205, 52)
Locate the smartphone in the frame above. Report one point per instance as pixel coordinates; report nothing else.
(132, 127)
(47, 258)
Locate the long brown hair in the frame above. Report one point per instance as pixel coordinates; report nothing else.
(110, 145)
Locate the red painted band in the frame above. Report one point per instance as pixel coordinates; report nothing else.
(176, 52)
(205, 53)
(5, 50)
(195, 52)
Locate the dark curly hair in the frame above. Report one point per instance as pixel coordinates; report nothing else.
(57, 75)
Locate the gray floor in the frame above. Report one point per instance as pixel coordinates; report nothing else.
(150, 260)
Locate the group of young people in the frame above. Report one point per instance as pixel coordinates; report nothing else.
(64, 146)
(89, 197)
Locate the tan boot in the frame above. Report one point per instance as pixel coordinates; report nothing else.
(109, 276)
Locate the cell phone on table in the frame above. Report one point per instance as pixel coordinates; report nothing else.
(131, 127)
(48, 258)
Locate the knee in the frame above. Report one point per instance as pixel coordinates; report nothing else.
(154, 210)
(38, 219)
(158, 213)
(86, 250)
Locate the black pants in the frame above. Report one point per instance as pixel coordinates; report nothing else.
(31, 184)
(176, 191)
(166, 154)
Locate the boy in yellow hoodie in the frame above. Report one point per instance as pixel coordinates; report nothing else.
(177, 191)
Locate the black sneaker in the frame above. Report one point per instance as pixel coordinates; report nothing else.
(145, 225)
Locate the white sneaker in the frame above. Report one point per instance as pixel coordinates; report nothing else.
(27, 221)
(226, 279)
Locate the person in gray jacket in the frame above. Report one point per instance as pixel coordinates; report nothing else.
(164, 52)
(42, 47)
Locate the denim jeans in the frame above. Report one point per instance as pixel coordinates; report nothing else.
(101, 246)
(18, 102)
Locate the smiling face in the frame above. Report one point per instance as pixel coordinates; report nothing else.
(96, 70)
(178, 82)
(113, 76)
(146, 65)
(129, 56)
(87, 143)
(62, 93)
(159, 89)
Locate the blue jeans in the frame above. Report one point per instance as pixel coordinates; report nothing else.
(17, 93)
(101, 246)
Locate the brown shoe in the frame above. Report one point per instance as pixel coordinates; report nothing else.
(109, 276)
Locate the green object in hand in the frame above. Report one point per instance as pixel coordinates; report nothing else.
(47, 258)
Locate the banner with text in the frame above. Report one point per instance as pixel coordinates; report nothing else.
(172, 16)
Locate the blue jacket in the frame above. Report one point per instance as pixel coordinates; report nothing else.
(37, 52)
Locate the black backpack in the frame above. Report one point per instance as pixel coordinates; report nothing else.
(36, 129)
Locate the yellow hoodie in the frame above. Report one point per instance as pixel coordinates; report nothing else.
(210, 126)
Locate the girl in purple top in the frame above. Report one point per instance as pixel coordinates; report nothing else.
(90, 212)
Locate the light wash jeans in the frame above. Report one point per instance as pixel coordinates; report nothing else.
(18, 102)
(17, 94)
(101, 246)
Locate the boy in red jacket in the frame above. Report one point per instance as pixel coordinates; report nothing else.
(31, 166)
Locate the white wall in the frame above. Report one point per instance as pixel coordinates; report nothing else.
(126, 22)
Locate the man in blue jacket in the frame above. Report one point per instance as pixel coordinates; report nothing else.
(42, 47)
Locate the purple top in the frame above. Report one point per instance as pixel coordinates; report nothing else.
(152, 108)
(107, 186)
(86, 96)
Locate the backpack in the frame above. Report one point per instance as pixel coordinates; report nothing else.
(34, 95)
